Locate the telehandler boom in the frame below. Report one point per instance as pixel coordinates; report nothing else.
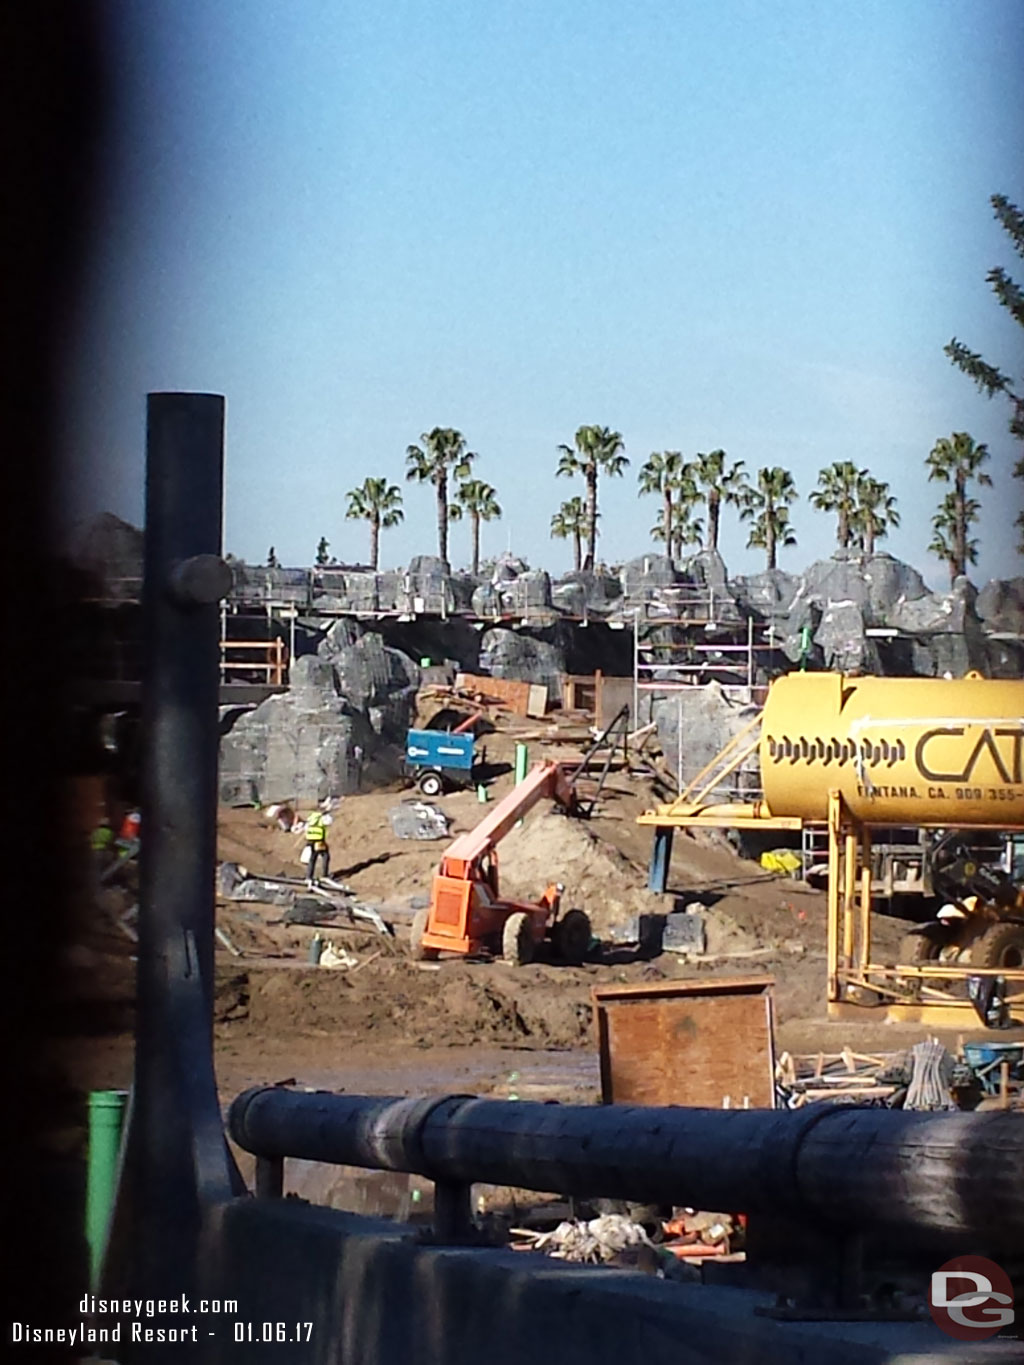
(468, 915)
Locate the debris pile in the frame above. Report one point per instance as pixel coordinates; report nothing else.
(596, 1242)
(418, 820)
(614, 1239)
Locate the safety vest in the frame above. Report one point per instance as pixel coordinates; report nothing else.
(316, 830)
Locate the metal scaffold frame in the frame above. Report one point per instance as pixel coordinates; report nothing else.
(701, 673)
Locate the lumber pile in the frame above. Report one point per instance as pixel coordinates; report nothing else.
(844, 1076)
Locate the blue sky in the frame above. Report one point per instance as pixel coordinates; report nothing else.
(741, 225)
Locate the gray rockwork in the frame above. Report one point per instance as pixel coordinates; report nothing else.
(510, 654)
(340, 727)
(705, 718)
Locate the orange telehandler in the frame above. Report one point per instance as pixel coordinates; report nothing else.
(468, 915)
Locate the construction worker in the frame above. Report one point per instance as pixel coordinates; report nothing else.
(103, 851)
(316, 842)
(102, 838)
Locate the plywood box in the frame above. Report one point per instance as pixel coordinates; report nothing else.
(704, 1043)
(522, 698)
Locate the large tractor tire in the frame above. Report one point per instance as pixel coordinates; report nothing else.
(419, 927)
(926, 943)
(517, 940)
(1001, 945)
(571, 937)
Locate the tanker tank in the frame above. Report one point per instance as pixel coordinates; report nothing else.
(901, 751)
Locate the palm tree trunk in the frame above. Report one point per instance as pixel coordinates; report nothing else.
(960, 530)
(577, 550)
(476, 545)
(375, 542)
(770, 543)
(869, 540)
(591, 516)
(714, 510)
(668, 522)
(442, 519)
(843, 533)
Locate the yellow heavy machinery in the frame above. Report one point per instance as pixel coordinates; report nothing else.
(861, 753)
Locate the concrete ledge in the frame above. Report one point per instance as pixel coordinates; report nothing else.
(377, 1297)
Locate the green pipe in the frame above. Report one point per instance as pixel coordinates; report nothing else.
(522, 762)
(106, 1119)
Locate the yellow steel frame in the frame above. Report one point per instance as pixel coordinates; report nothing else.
(908, 994)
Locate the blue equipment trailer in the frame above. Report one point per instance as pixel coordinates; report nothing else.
(440, 760)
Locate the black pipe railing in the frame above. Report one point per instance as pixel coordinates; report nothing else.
(855, 1168)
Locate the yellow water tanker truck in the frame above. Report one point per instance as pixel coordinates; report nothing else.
(936, 753)
(901, 751)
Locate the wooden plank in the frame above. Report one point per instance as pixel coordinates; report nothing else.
(701, 1043)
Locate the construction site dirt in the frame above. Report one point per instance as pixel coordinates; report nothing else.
(382, 1022)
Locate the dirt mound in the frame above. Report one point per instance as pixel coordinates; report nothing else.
(599, 879)
(535, 1007)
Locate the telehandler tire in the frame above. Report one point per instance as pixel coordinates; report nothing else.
(1001, 945)
(571, 937)
(517, 940)
(419, 927)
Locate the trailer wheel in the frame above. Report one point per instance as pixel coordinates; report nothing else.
(571, 937)
(1000, 946)
(926, 943)
(419, 927)
(517, 940)
(431, 784)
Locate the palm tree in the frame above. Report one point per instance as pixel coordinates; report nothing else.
(719, 484)
(272, 560)
(957, 459)
(443, 452)
(686, 530)
(477, 500)
(768, 504)
(665, 473)
(570, 522)
(945, 541)
(323, 551)
(379, 503)
(875, 512)
(598, 450)
(837, 492)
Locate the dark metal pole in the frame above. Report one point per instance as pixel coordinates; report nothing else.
(176, 1157)
(920, 1174)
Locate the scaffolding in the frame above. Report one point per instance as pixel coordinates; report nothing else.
(711, 651)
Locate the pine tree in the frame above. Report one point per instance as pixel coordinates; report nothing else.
(989, 378)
